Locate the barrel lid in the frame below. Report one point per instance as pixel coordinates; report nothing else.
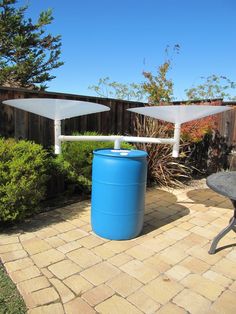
(133, 153)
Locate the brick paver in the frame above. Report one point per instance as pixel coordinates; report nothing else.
(41, 297)
(206, 287)
(84, 257)
(61, 266)
(64, 269)
(78, 305)
(117, 305)
(48, 309)
(162, 289)
(34, 284)
(192, 302)
(98, 294)
(65, 293)
(47, 258)
(143, 302)
(131, 284)
(78, 284)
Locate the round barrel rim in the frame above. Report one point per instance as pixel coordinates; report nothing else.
(120, 153)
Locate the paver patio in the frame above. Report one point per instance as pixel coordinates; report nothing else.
(61, 266)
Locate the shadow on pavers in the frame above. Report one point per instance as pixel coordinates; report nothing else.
(47, 218)
(209, 198)
(161, 209)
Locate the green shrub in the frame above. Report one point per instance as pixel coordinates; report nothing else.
(76, 160)
(209, 155)
(23, 168)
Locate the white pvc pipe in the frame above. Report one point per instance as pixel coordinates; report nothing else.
(117, 139)
(98, 138)
(153, 140)
(175, 151)
(117, 143)
(57, 134)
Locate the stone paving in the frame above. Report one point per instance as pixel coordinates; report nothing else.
(61, 266)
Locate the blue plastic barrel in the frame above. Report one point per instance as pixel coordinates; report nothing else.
(118, 193)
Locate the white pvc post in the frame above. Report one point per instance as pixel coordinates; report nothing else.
(57, 133)
(175, 151)
(117, 143)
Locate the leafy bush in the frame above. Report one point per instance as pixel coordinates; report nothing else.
(209, 155)
(76, 161)
(23, 168)
(194, 131)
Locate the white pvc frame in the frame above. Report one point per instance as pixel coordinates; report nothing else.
(118, 139)
(62, 109)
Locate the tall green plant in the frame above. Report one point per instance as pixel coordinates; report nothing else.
(27, 53)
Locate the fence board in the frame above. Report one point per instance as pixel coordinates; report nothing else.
(227, 125)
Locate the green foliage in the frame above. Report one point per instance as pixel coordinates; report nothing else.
(113, 89)
(23, 168)
(212, 87)
(159, 88)
(27, 53)
(76, 160)
(10, 300)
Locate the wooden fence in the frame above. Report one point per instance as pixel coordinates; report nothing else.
(20, 124)
(227, 124)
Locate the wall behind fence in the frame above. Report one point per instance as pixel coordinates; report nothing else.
(20, 124)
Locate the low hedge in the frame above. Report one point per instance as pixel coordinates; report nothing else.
(23, 177)
(76, 161)
(27, 171)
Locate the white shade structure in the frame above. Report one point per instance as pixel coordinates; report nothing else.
(56, 109)
(59, 109)
(179, 113)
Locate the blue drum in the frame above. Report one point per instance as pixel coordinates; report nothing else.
(118, 193)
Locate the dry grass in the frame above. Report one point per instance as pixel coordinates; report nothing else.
(163, 169)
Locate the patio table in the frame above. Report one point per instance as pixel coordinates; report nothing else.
(224, 183)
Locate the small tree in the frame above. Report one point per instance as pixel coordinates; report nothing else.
(113, 89)
(159, 88)
(212, 87)
(27, 53)
(156, 88)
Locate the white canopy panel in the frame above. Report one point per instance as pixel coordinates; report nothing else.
(56, 109)
(179, 113)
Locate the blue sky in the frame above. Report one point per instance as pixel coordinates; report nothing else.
(121, 38)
